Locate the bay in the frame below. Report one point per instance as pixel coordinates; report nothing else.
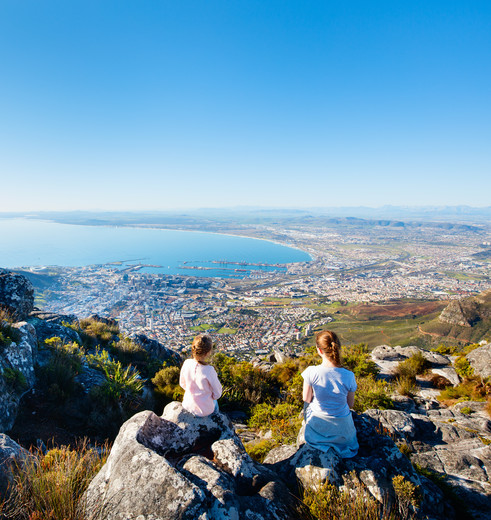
(33, 243)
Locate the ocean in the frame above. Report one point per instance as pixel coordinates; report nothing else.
(32, 243)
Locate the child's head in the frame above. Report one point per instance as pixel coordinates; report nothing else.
(201, 347)
(328, 343)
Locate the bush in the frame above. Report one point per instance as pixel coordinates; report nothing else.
(472, 389)
(405, 385)
(357, 359)
(8, 334)
(14, 379)
(463, 367)
(372, 393)
(259, 450)
(283, 420)
(58, 375)
(166, 383)
(413, 366)
(326, 502)
(50, 486)
(123, 386)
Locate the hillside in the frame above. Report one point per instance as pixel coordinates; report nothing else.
(465, 321)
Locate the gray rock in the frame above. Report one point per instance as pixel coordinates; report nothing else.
(11, 454)
(179, 466)
(20, 357)
(16, 294)
(157, 350)
(49, 329)
(397, 423)
(480, 361)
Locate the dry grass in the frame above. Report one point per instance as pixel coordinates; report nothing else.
(50, 486)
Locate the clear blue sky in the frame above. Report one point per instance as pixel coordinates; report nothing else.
(155, 104)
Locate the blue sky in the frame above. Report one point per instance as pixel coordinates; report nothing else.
(127, 105)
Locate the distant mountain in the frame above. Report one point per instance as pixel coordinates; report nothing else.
(466, 320)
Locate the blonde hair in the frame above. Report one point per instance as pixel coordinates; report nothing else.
(202, 345)
(328, 342)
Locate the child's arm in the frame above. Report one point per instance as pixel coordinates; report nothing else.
(351, 399)
(308, 392)
(216, 387)
(182, 378)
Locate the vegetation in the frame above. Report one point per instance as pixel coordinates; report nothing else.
(166, 385)
(372, 393)
(283, 419)
(58, 375)
(326, 502)
(8, 334)
(471, 389)
(14, 379)
(50, 486)
(411, 367)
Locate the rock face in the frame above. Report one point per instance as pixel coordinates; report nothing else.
(377, 462)
(387, 358)
(10, 453)
(17, 372)
(157, 350)
(450, 444)
(469, 311)
(480, 361)
(184, 467)
(16, 294)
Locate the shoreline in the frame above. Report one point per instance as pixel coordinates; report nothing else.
(154, 227)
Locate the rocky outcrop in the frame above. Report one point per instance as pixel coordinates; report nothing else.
(17, 360)
(450, 444)
(378, 461)
(16, 295)
(179, 466)
(468, 311)
(480, 360)
(11, 454)
(387, 358)
(157, 350)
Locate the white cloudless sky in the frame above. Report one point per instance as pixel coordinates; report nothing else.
(123, 105)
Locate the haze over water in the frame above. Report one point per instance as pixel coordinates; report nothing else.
(36, 243)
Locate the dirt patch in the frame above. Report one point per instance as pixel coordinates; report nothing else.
(397, 309)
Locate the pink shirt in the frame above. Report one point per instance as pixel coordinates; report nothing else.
(201, 386)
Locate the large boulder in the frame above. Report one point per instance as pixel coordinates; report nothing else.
(157, 350)
(179, 466)
(480, 360)
(378, 461)
(16, 294)
(17, 359)
(450, 444)
(11, 455)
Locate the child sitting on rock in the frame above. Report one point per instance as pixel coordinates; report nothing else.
(199, 380)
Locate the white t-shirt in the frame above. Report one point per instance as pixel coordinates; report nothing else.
(331, 386)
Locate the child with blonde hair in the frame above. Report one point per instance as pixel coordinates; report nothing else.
(199, 379)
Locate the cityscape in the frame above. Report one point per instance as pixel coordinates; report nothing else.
(274, 309)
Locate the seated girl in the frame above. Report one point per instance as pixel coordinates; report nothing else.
(329, 393)
(199, 380)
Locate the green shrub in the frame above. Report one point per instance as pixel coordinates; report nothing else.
(14, 379)
(259, 450)
(469, 390)
(357, 359)
(123, 385)
(408, 496)
(463, 367)
(58, 375)
(50, 486)
(8, 334)
(372, 393)
(405, 385)
(413, 366)
(466, 410)
(166, 383)
(283, 420)
(326, 502)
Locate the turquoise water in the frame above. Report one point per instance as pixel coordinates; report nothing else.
(36, 243)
